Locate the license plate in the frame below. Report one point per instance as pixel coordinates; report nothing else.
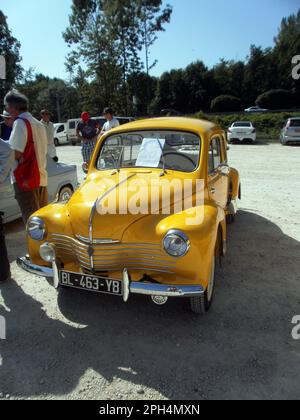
(90, 283)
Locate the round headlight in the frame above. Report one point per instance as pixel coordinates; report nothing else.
(47, 252)
(176, 243)
(36, 229)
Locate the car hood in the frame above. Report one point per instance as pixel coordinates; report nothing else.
(124, 195)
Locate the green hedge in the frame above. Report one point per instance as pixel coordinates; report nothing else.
(268, 125)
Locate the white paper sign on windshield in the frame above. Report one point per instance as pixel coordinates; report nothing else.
(150, 153)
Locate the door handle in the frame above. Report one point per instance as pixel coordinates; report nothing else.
(213, 190)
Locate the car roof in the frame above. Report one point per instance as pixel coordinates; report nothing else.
(171, 123)
(294, 118)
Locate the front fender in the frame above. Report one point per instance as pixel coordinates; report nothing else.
(234, 177)
(56, 218)
(196, 264)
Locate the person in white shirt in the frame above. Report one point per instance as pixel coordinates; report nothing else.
(50, 130)
(111, 122)
(17, 105)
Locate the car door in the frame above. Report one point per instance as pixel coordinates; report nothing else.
(9, 206)
(62, 134)
(218, 177)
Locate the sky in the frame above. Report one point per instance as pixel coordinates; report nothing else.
(200, 29)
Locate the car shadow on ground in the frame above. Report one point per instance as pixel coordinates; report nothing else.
(241, 350)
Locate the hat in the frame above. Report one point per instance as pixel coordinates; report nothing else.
(45, 112)
(5, 114)
(85, 116)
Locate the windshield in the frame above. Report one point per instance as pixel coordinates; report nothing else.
(242, 124)
(177, 151)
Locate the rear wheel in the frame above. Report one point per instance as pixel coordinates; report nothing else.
(65, 193)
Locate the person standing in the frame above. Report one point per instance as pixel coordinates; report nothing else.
(6, 163)
(29, 142)
(6, 126)
(88, 131)
(50, 130)
(111, 122)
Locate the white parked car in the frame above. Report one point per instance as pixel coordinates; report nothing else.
(241, 131)
(61, 185)
(72, 131)
(291, 131)
(60, 134)
(255, 109)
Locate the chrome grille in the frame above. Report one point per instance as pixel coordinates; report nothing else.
(114, 256)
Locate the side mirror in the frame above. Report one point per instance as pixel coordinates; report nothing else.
(85, 167)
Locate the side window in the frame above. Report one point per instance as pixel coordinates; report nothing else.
(224, 154)
(60, 129)
(215, 154)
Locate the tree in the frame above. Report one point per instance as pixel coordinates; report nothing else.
(276, 99)
(261, 73)
(10, 49)
(196, 78)
(226, 103)
(108, 36)
(93, 44)
(287, 45)
(152, 19)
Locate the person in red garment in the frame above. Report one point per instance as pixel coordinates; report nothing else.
(29, 142)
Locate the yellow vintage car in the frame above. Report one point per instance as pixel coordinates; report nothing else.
(149, 219)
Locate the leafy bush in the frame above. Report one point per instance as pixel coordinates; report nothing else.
(226, 103)
(276, 99)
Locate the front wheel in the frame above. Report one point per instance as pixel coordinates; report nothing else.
(202, 304)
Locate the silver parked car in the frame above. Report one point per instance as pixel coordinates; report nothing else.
(61, 185)
(291, 132)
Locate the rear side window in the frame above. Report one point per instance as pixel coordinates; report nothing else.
(215, 154)
(72, 125)
(295, 123)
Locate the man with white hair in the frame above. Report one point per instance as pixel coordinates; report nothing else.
(29, 142)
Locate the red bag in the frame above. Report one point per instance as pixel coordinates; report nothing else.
(27, 174)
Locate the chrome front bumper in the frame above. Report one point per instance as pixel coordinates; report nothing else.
(129, 287)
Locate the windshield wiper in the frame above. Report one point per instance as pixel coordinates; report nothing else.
(164, 172)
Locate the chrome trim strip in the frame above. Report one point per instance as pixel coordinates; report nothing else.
(109, 269)
(150, 289)
(97, 241)
(142, 265)
(38, 270)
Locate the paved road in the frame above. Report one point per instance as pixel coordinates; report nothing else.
(76, 345)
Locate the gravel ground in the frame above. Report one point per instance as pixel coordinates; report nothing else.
(74, 345)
